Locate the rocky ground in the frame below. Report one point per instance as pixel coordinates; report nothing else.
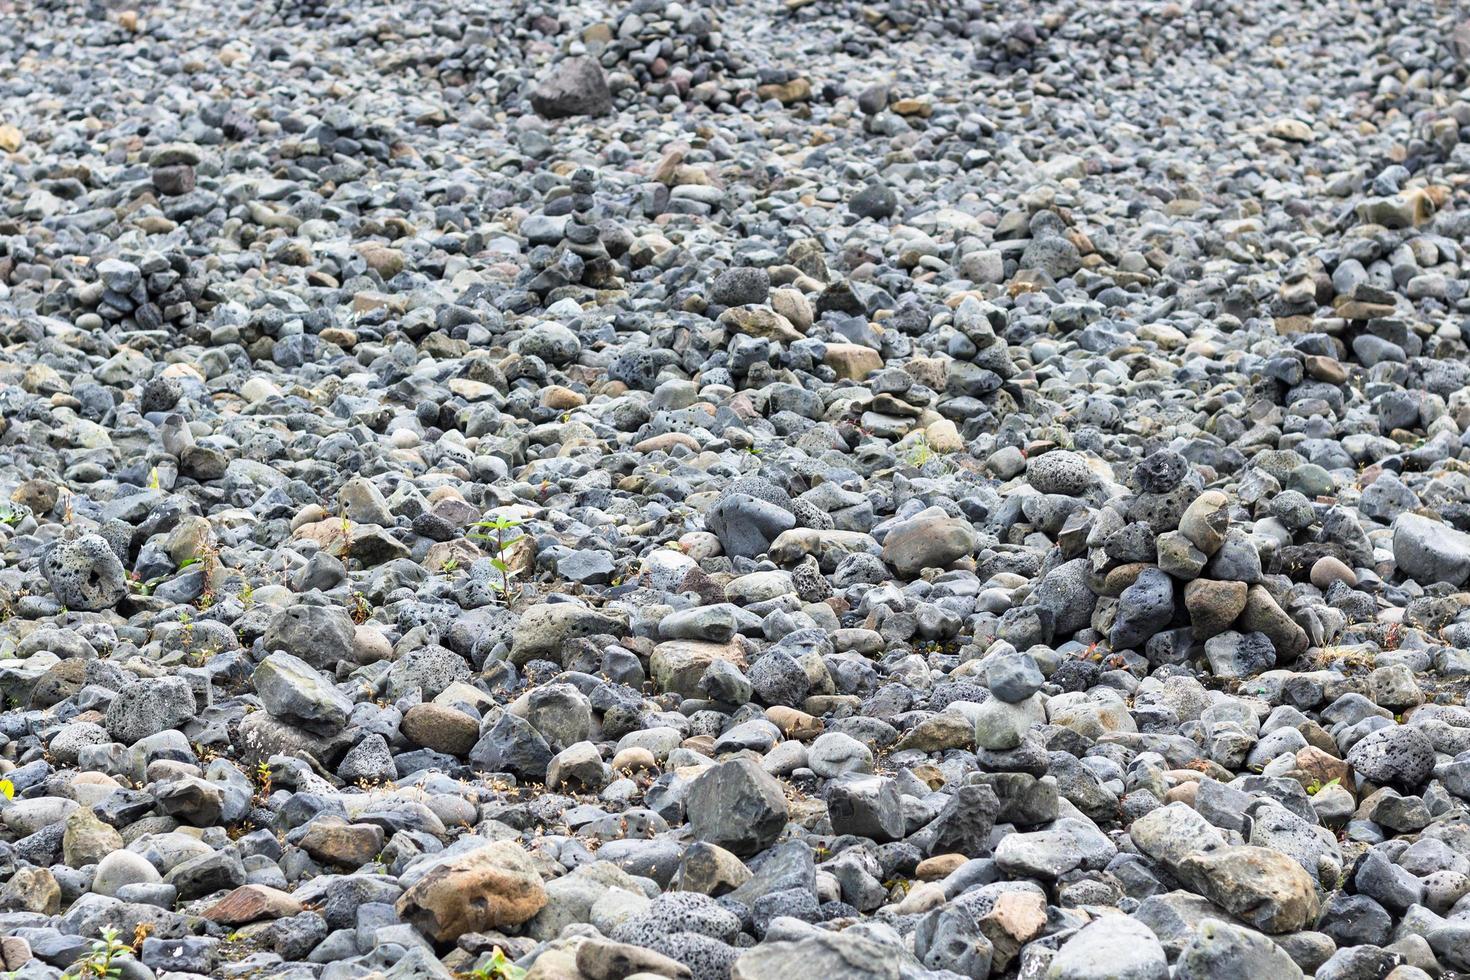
(735, 489)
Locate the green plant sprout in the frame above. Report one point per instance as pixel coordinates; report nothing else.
(494, 534)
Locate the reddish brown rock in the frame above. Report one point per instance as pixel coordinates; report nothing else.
(252, 903)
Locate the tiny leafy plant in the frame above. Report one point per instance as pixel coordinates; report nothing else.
(495, 534)
(98, 963)
(920, 453)
(499, 967)
(144, 587)
(262, 783)
(9, 515)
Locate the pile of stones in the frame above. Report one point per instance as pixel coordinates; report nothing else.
(732, 491)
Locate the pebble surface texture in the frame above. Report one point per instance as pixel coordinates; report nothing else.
(715, 490)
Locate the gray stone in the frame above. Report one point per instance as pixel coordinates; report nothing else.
(1399, 755)
(322, 636)
(293, 691)
(1221, 951)
(738, 806)
(1428, 551)
(85, 574)
(145, 708)
(573, 87)
(1113, 947)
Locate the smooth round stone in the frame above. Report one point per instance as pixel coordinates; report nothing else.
(121, 868)
(1327, 569)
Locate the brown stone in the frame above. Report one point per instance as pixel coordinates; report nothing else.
(710, 870)
(1324, 368)
(939, 867)
(492, 887)
(252, 903)
(561, 399)
(758, 321)
(1323, 767)
(677, 665)
(1016, 918)
(386, 262)
(31, 890)
(937, 733)
(335, 841)
(87, 840)
(441, 728)
(1263, 615)
(852, 362)
(1213, 605)
(1266, 889)
(15, 952)
(795, 724)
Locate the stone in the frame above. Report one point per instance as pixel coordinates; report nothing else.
(1213, 605)
(929, 540)
(835, 753)
(1205, 521)
(292, 691)
(320, 636)
(441, 728)
(145, 708)
(252, 903)
(1428, 551)
(120, 868)
(1238, 655)
(711, 870)
(494, 886)
(1263, 888)
(867, 806)
(1059, 472)
(835, 957)
(1144, 608)
(1263, 615)
(573, 87)
(738, 806)
(85, 574)
(31, 890)
(1229, 952)
(332, 840)
(1112, 946)
(543, 628)
(1399, 756)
